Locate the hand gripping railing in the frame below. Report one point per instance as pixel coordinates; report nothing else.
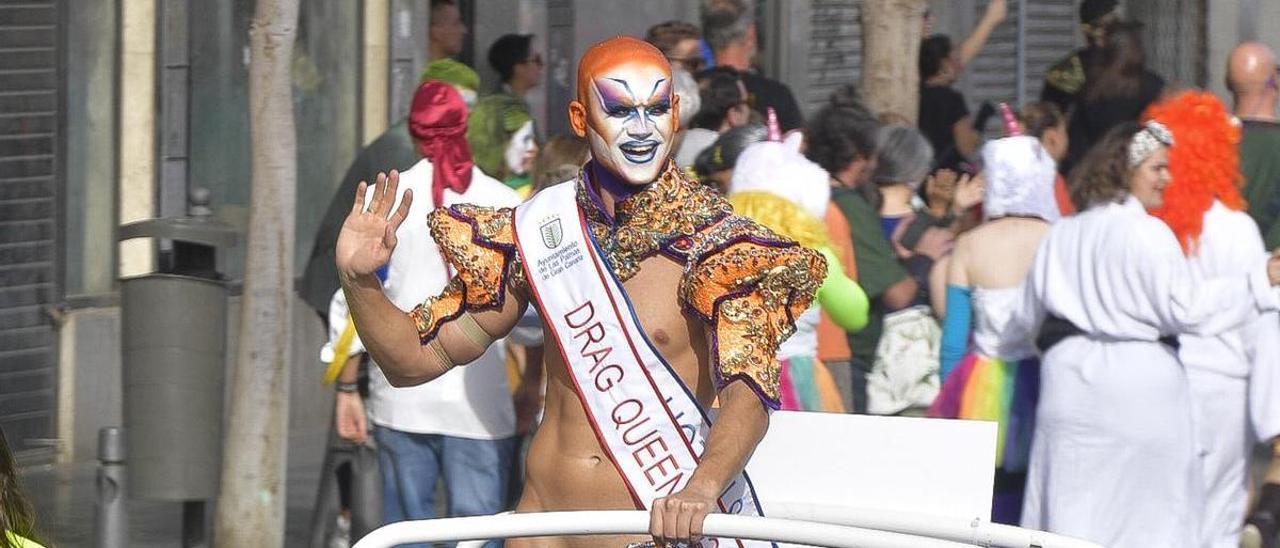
(885, 530)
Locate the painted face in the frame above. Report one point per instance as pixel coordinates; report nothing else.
(468, 96)
(521, 150)
(631, 120)
(1150, 178)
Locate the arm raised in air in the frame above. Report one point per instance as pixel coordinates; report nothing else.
(453, 328)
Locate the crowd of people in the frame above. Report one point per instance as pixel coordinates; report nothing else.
(1096, 279)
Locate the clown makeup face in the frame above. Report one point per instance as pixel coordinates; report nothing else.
(631, 120)
(521, 150)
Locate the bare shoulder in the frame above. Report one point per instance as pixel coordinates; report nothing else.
(1000, 231)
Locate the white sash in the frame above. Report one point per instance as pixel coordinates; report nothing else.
(644, 416)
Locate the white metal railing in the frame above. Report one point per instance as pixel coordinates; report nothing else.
(970, 532)
(834, 529)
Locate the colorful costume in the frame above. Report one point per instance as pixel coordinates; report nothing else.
(998, 379)
(1233, 374)
(746, 282)
(725, 281)
(756, 191)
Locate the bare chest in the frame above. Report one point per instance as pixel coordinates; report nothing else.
(653, 299)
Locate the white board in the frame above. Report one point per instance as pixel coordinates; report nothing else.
(886, 464)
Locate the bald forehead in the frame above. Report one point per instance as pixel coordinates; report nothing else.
(619, 55)
(1251, 62)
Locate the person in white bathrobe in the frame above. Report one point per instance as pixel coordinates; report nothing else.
(1232, 374)
(1113, 458)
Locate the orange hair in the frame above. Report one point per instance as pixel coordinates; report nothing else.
(610, 53)
(1204, 162)
(603, 56)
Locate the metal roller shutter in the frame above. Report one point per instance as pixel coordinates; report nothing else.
(835, 50)
(1011, 67)
(1180, 62)
(29, 131)
(1049, 34)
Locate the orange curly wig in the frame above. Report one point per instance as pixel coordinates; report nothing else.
(1204, 163)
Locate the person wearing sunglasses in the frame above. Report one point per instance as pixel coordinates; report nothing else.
(680, 42)
(502, 134)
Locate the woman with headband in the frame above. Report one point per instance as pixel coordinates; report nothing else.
(1113, 459)
(998, 380)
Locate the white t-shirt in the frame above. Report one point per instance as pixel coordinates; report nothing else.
(471, 401)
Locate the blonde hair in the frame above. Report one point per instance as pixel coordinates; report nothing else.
(782, 216)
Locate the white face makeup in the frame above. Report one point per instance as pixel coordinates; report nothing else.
(468, 96)
(520, 150)
(631, 122)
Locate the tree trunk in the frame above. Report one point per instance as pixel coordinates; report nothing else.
(250, 509)
(890, 52)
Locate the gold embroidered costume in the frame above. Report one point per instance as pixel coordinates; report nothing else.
(480, 243)
(746, 282)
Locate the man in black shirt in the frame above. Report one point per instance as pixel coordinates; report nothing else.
(1066, 78)
(730, 30)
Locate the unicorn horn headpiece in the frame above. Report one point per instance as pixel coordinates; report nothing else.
(771, 122)
(1011, 126)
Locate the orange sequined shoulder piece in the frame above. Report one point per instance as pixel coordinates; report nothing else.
(479, 242)
(749, 284)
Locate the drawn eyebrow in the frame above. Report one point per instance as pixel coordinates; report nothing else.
(608, 98)
(655, 87)
(625, 85)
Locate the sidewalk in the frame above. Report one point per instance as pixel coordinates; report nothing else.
(64, 494)
(64, 497)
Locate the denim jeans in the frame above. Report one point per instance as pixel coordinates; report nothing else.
(475, 474)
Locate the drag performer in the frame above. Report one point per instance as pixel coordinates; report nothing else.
(1232, 374)
(1113, 457)
(998, 380)
(776, 186)
(657, 300)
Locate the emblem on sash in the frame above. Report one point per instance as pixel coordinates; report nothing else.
(552, 233)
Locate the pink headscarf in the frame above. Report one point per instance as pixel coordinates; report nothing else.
(438, 121)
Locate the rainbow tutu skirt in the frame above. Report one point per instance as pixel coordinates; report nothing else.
(992, 389)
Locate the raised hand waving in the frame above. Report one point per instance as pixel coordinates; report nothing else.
(368, 235)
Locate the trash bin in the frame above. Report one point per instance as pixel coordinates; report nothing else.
(174, 330)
